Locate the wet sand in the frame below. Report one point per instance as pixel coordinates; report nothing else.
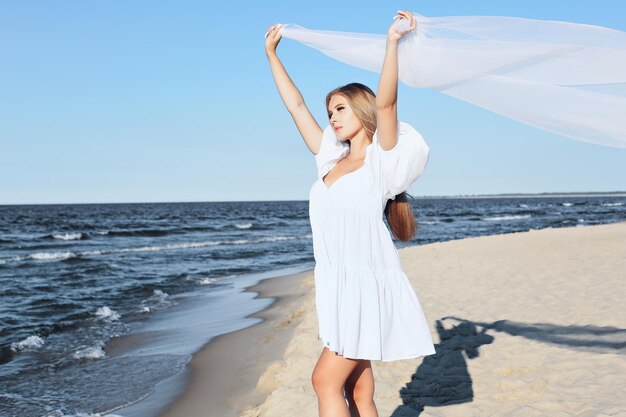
(223, 376)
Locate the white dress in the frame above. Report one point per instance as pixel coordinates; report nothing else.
(366, 306)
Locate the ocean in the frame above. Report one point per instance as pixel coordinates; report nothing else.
(103, 303)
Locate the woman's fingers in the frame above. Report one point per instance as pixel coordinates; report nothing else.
(404, 14)
(272, 29)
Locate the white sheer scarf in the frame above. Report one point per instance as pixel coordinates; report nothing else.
(566, 78)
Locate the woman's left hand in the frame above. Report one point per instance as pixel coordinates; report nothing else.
(393, 34)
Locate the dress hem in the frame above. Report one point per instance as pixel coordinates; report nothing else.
(399, 358)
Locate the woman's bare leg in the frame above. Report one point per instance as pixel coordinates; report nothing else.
(329, 377)
(360, 391)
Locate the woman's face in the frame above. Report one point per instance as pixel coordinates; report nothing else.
(343, 120)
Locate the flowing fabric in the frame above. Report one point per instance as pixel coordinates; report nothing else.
(566, 78)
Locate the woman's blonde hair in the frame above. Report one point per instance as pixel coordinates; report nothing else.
(362, 101)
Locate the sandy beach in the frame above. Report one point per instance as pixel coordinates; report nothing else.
(525, 324)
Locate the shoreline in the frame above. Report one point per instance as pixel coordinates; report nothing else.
(220, 386)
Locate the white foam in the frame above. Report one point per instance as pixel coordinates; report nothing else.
(58, 413)
(276, 238)
(163, 247)
(68, 236)
(514, 217)
(30, 342)
(94, 352)
(160, 294)
(567, 204)
(206, 281)
(152, 248)
(612, 204)
(14, 259)
(263, 239)
(243, 226)
(158, 300)
(107, 314)
(524, 205)
(54, 256)
(49, 256)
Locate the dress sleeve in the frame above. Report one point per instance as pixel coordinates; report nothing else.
(331, 151)
(404, 163)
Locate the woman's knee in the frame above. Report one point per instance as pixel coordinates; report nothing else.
(316, 380)
(324, 382)
(331, 372)
(327, 379)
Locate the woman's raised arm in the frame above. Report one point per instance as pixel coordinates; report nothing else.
(387, 94)
(305, 122)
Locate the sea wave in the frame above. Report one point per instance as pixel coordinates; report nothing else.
(92, 352)
(157, 301)
(107, 313)
(48, 256)
(511, 217)
(156, 232)
(69, 236)
(160, 294)
(56, 256)
(58, 413)
(30, 342)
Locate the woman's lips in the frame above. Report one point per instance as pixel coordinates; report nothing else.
(337, 128)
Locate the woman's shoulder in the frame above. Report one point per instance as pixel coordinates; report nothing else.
(406, 132)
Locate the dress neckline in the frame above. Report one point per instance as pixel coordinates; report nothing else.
(328, 187)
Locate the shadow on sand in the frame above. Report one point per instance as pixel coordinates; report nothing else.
(443, 379)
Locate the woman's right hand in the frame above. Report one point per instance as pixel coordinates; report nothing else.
(393, 32)
(272, 37)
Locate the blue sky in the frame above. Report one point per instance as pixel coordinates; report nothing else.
(148, 101)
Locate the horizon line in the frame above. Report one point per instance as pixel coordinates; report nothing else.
(500, 195)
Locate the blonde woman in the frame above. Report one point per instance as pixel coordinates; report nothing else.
(366, 308)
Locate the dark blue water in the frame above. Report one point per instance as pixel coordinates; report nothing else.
(76, 278)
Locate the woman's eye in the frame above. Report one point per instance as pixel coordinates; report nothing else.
(338, 108)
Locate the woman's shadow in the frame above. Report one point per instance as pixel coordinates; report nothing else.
(443, 379)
